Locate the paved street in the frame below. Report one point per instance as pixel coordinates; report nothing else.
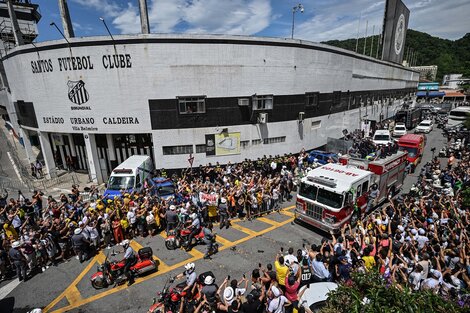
(67, 286)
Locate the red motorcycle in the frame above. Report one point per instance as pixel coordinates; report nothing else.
(112, 272)
(179, 237)
(169, 299)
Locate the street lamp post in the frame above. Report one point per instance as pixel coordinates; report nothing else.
(110, 35)
(62, 34)
(298, 7)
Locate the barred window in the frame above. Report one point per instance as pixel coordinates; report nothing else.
(312, 99)
(255, 142)
(271, 140)
(263, 102)
(192, 105)
(171, 150)
(201, 148)
(244, 143)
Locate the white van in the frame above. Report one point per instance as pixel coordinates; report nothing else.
(129, 175)
(382, 137)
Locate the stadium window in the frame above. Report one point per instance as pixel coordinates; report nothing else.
(244, 143)
(316, 124)
(311, 99)
(255, 142)
(172, 150)
(271, 140)
(263, 102)
(192, 105)
(201, 148)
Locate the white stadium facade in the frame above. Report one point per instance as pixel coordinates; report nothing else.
(216, 98)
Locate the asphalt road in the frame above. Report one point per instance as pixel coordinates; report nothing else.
(66, 288)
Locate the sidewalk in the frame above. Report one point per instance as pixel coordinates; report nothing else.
(24, 181)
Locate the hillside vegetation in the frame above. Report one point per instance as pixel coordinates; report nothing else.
(451, 56)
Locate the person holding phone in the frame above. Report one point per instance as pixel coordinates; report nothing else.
(281, 270)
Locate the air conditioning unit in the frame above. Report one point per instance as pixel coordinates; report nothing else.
(301, 116)
(263, 118)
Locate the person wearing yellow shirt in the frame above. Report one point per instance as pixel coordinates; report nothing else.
(369, 260)
(281, 271)
(10, 231)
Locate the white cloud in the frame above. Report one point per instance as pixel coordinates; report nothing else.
(128, 20)
(244, 17)
(336, 19)
(322, 20)
(228, 17)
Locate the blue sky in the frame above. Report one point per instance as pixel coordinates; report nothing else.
(321, 20)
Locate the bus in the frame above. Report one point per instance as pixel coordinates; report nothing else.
(457, 116)
(410, 117)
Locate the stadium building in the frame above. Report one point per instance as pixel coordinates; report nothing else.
(206, 98)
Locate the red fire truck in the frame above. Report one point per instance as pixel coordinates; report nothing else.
(328, 194)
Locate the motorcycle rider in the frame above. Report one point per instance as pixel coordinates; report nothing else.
(208, 239)
(129, 258)
(223, 213)
(195, 228)
(190, 276)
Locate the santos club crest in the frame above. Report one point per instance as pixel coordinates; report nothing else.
(77, 92)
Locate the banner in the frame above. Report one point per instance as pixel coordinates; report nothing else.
(205, 197)
(223, 144)
(394, 31)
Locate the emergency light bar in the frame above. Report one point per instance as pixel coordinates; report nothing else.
(122, 171)
(322, 180)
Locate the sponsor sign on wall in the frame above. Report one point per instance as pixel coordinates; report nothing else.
(223, 144)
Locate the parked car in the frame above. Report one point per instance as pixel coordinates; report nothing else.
(382, 137)
(399, 130)
(424, 127)
(322, 157)
(315, 295)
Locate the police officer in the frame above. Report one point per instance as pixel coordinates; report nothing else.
(171, 218)
(223, 213)
(190, 276)
(18, 259)
(129, 258)
(208, 239)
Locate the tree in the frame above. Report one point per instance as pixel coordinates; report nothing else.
(370, 293)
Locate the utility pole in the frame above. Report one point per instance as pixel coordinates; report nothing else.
(358, 26)
(378, 44)
(372, 42)
(365, 38)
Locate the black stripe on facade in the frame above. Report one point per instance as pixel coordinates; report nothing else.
(164, 113)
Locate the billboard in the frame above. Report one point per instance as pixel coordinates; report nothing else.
(223, 144)
(394, 31)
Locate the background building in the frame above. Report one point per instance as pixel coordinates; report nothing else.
(426, 72)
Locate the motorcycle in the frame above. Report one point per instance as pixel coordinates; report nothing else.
(179, 237)
(169, 299)
(112, 272)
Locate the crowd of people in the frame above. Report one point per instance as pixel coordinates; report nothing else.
(419, 240)
(38, 232)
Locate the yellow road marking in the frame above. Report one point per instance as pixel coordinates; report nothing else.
(244, 229)
(268, 221)
(223, 241)
(137, 246)
(72, 285)
(288, 213)
(167, 269)
(73, 295)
